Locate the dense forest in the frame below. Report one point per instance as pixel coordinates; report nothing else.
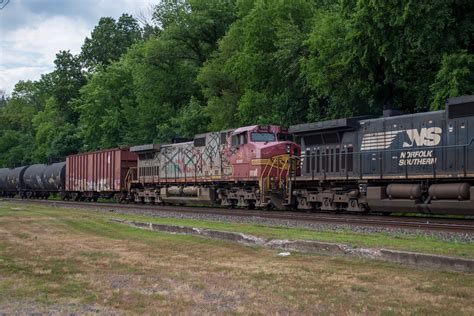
(202, 65)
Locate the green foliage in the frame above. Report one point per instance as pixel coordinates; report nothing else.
(67, 79)
(15, 148)
(256, 71)
(205, 65)
(16, 114)
(368, 55)
(455, 78)
(103, 104)
(109, 40)
(55, 138)
(190, 120)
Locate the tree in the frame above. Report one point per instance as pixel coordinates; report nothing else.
(67, 79)
(189, 121)
(16, 131)
(194, 26)
(105, 106)
(369, 55)
(255, 77)
(55, 138)
(109, 41)
(454, 78)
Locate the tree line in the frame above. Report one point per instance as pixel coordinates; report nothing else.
(207, 65)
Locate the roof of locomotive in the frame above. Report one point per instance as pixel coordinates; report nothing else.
(402, 116)
(456, 107)
(266, 127)
(352, 123)
(208, 133)
(146, 147)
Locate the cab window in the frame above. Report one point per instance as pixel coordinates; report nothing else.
(262, 137)
(239, 139)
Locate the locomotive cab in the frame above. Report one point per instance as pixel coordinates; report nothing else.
(254, 148)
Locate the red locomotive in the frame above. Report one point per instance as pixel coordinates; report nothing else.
(234, 167)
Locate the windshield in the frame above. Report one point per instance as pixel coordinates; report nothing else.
(262, 137)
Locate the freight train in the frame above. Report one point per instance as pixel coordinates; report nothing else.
(420, 162)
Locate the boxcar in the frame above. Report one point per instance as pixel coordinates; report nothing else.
(98, 174)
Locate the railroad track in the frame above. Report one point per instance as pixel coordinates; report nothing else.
(423, 223)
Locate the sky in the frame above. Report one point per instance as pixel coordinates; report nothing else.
(33, 31)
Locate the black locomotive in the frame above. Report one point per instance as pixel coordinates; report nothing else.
(420, 162)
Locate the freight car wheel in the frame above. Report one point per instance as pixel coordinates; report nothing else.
(231, 204)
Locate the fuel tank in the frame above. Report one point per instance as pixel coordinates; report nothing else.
(449, 191)
(404, 191)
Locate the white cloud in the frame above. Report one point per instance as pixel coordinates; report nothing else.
(9, 77)
(28, 50)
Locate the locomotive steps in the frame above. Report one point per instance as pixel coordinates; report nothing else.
(316, 247)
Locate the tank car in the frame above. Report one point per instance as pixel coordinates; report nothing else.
(40, 180)
(11, 181)
(420, 162)
(232, 167)
(3, 181)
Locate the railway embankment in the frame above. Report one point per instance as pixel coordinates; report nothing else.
(316, 247)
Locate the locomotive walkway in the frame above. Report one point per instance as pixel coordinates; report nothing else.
(411, 222)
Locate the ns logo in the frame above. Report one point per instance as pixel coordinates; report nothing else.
(427, 136)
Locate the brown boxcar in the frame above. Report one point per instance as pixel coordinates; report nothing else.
(100, 173)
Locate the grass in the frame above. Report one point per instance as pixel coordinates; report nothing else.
(420, 243)
(61, 259)
(412, 242)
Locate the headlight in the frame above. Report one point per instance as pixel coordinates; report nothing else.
(288, 148)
